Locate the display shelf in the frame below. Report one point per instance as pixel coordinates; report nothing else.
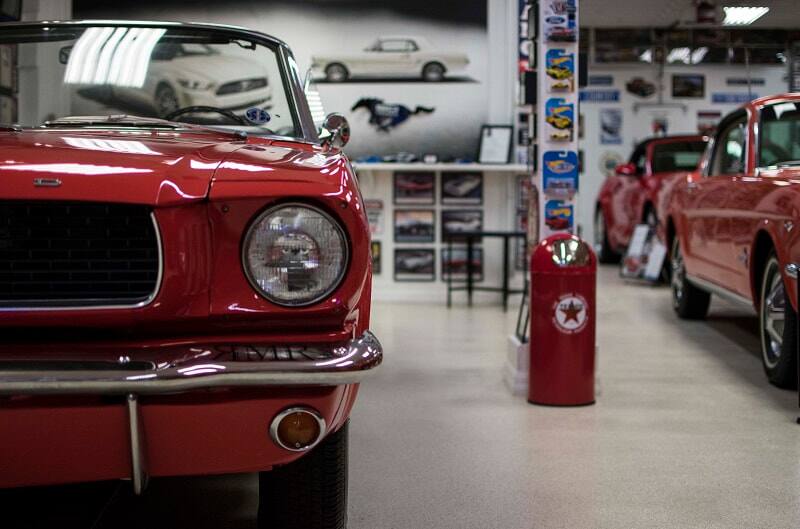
(419, 166)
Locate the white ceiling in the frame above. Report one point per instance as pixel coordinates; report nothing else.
(662, 13)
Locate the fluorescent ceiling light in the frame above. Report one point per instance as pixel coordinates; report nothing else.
(743, 16)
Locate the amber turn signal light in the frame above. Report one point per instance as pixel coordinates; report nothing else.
(297, 429)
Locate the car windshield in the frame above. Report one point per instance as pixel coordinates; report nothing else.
(677, 156)
(182, 74)
(780, 134)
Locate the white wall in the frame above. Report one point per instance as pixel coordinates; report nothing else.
(637, 125)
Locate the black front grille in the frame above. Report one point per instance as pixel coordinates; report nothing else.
(76, 254)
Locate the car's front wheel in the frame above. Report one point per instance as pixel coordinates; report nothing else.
(336, 73)
(778, 322)
(605, 253)
(166, 100)
(433, 72)
(689, 302)
(310, 493)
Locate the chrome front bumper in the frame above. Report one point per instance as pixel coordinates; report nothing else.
(204, 368)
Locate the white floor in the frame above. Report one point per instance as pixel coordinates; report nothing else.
(686, 433)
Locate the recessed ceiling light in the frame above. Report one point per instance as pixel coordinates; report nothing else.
(743, 16)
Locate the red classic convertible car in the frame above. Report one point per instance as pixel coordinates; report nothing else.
(733, 226)
(178, 296)
(634, 194)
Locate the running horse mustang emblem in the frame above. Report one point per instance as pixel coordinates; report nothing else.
(386, 116)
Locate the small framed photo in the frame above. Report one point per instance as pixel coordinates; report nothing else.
(690, 86)
(458, 221)
(455, 264)
(375, 251)
(495, 145)
(462, 188)
(414, 264)
(414, 225)
(414, 188)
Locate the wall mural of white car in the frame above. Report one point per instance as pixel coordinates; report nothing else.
(186, 75)
(391, 58)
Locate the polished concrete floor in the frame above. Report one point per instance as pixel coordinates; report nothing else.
(686, 432)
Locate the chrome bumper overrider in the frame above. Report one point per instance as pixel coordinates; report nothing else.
(207, 368)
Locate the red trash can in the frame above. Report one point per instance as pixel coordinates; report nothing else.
(563, 316)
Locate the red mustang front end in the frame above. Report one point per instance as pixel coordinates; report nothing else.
(182, 293)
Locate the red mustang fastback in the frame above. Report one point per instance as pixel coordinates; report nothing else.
(634, 194)
(733, 226)
(185, 278)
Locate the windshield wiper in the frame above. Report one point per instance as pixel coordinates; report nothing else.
(111, 121)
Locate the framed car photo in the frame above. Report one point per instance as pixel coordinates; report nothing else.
(414, 225)
(414, 264)
(462, 188)
(458, 221)
(414, 188)
(456, 264)
(690, 86)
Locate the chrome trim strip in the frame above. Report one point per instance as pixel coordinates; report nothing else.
(719, 291)
(792, 270)
(138, 467)
(349, 366)
(140, 304)
(273, 427)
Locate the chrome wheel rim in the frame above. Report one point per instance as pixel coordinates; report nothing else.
(167, 101)
(678, 273)
(773, 307)
(433, 73)
(336, 73)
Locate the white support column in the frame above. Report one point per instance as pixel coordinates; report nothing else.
(37, 99)
(502, 29)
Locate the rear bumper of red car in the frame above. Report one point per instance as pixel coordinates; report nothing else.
(209, 413)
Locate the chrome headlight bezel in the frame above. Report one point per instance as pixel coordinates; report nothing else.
(256, 222)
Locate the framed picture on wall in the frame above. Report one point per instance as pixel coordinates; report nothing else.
(457, 221)
(414, 188)
(457, 262)
(375, 250)
(496, 141)
(414, 264)
(462, 188)
(414, 225)
(692, 86)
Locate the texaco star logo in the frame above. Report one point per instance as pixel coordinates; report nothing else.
(570, 314)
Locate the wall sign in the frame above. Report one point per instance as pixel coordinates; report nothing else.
(732, 98)
(375, 214)
(601, 80)
(599, 96)
(744, 81)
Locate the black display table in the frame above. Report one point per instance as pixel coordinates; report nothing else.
(469, 286)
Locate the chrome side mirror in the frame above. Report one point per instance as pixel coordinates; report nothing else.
(335, 132)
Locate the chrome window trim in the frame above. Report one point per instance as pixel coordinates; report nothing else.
(342, 273)
(109, 306)
(273, 427)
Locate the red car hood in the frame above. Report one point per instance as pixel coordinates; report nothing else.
(151, 167)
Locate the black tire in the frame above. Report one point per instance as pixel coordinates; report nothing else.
(336, 73)
(166, 101)
(778, 325)
(310, 493)
(433, 72)
(605, 253)
(689, 302)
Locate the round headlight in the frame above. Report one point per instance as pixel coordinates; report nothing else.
(294, 254)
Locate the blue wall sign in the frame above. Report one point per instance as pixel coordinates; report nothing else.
(735, 98)
(599, 96)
